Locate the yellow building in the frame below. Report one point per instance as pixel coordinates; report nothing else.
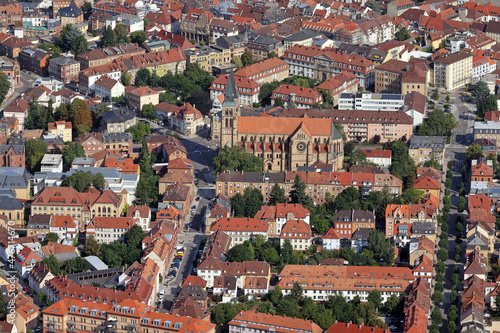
(63, 129)
(137, 98)
(206, 58)
(452, 71)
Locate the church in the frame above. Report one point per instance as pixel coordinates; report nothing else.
(285, 144)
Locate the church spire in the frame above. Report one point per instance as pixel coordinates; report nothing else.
(231, 94)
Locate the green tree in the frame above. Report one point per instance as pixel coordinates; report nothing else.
(438, 123)
(80, 114)
(253, 201)
(62, 112)
(278, 102)
(379, 245)
(375, 297)
(402, 34)
(411, 196)
(347, 199)
(101, 109)
(238, 205)
(440, 267)
(4, 86)
(452, 327)
(376, 7)
(69, 39)
(437, 298)
(126, 78)
(138, 37)
(121, 34)
(266, 91)
(108, 38)
(487, 104)
(442, 255)
(277, 195)
(298, 194)
(50, 237)
(134, 236)
(139, 131)
(297, 293)
(35, 149)
(474, 152)
(79, 45)
(82, 180)
(52, 263)
(461, 204)
(86, 7)
(247, 58)
(91, 247)
(275, 295)
(236, 158)
(241, 252)
(237, 61)
(148, 111)
(271, 256)
(40, 296)
(480, 90)
(435, 94)
(286, 307)
(70, 151)
(142, 77)
(201, 99)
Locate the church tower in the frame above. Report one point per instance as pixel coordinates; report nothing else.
(230, 114)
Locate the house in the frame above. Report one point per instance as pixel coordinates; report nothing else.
(25, 261)
(141, 215)
(296, 97)
(210, 268)
(344, 82)
(71, 14)
(371, 102)
(122, 165)
(39, 276)
(12, 210)
(399, 77)
(380, 157)
(423, 148)
(424, 267)
(107, 55)
(339, 327)
(226, 287)
(261, 46)
(298, 233)
(331, 240)
(482, 172)
(18, 109)
(62, 252)
(266, 71)
(63, 129)
(16, 179)
(38, 225)
(91, 142)
(52, 163)
(108, 88)
(346, 222)
(277, 216)
(185, 119)
(241, 229)
(109, 229)
(36, 61)
(138, 97)
(428, 185)
(196, 25)
(66, 227)
(359, 239)
(12, 153)
(118, 121)
(248, 90)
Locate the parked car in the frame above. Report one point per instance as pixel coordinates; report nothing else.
(179, 254)
(177, 260)
(176, 265)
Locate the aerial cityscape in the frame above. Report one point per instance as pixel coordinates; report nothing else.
(250, 166)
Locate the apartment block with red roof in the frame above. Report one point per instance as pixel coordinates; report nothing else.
(298, 233)
(241, 229)
(252, 321)
(417, 306)
(339, 327)
(141, 215)
(66, 227)
(185, 119)
(248, 90)
(344, 82)
(381, 157)
(421, 246)
(482, 172)
(25, 260)
(320, 282)
(299, 97)
(331, 240)
(138, 97)
(210, 268)
(428, 185)
(266, 71)
(109, 229)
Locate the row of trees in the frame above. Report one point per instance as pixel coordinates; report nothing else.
(81, 180)
(35, 150)
(438, 123)
(485, 101)
(147, 188)
(76, 265)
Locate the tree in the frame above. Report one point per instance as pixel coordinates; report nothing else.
(271, 256)
(277, 195)
(79, 45)
(52, 263)
(437, 298)
(266, 91)
(480, 90)
(279, 102)
(247, 58)
(71, 151)
(488, 104)
(37, 116)
(376, 7)
(375, 297)
(121, 34)
(286, 307)
(126, 78)
(379, 245)
(142, 77)
(275, 295)
(148, 111)
(297, 293)
(4, 86)
(101, 109)
(402, 34)
(35, 149)
(238, 205)
(139, 131)
(236, 158)
(440, 267)
(438, 123)
(442, 255)
(40, 296)
(91, 247)
(237, 61)
(411, 195)
(461, 204)
(86, 7)
(138, 37)
(241, 252)
(340, 129)
(435, 94)
(134, 236)
(347, 199)
(201, 100)
(452, 327)
(298, 194)
(108, 38)
(474, 152)
(69, 39)
(80, 114)
(62, 112)
(253, 201)
(50, 237)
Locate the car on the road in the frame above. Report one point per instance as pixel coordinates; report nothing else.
(39, 328)
(177, 260)
(176, 265)
(172, 274)
(197, 198)
(179, 254)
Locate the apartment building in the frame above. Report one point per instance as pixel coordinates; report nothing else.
(345, 82)
(322, 64)
(346, 222)
(489, 130)
(266, 71)
(241, 229)
(423, 148)
(185, 119)
(253, 321)
(64, 69)
(261, 46)
(296, 97)
(118, 121)
(399, 219)
(277, 216)
(94, 315)
(66, 227)
(399, 77)
(248, 90)
(36, 61)
(321, 282)
(138, 97)
(211, 268)
(222, 28)
(298, 233)
(378, 30)
(63, 129)
(88, 77)
(452, 71)
(381, 157)
(107, 55)
(196, 25)
(161, 62)
(109, 229)
(208, 58)
(371, 102)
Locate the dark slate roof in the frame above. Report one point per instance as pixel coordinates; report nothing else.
(423, 228)
(14, 177)
(302, 35)
(71, 11)
(361, 234)
(426, 141)
(7, 203)
(231, 93)
(115, 116)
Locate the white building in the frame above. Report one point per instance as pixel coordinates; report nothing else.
(25, 261)
(108, 88)
(371, 102)
(331, 240)
(141, 215)
(52, 163)
(382, 158)
(481, 66)
(66, 227)
(109, 229)
(93, 74)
